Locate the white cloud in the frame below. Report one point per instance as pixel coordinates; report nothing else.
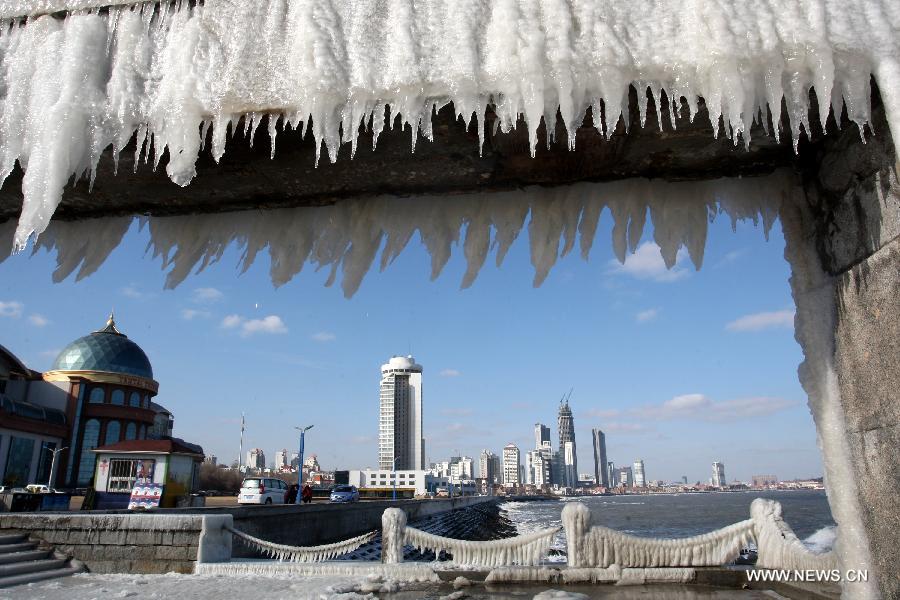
(206, 294)
(232, 321)
(450, 373)
(38, 320)
(701, 407)
(131, 291)
(12, 309)
(647, 263)
(189, 314)
(646, 315)
(323, 336)
(269, 324)
(779, 319)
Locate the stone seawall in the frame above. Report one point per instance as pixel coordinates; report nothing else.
(146, 543)
(315, 524)
(176, 539)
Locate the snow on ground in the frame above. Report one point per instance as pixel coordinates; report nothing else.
(190, 587)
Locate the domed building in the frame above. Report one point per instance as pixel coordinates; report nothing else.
(98, 393)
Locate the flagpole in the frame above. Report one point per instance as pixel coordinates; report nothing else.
(241, 448)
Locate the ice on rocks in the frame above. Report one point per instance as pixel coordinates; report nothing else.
(183, 75)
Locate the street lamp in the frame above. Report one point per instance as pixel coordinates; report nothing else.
(55, 451)
(302, 431)
(394, 476)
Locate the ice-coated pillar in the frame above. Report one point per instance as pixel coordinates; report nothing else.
(393, 530)
(576, 518)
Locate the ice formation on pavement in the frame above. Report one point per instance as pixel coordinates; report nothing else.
(350, 235)
(181, 75)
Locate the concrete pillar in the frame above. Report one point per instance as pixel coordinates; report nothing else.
(393, 532)
(576, 519)
(842, 237)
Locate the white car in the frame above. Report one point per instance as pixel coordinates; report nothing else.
(262, 490)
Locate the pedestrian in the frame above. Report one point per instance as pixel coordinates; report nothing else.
(291, 497)
(307, 494)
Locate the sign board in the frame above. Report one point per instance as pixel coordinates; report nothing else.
(145, 496)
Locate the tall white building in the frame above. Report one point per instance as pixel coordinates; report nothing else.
(256, 459)
(401, 445)
(511, 465)
(537, 468)
(541, 435)
(489, 467)
(570, 464)
(718, 478)
(281, 459)
(640, 480)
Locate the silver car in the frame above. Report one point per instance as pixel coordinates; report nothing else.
(344, 493)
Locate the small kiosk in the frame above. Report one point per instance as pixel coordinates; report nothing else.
(172, 464)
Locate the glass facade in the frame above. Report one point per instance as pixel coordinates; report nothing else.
(18, 462)
(118, 398)
(45, 461)
(88, 458)
(113, 431)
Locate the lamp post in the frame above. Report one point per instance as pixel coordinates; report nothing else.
(394, 476)
(302, 431)
(55, 451)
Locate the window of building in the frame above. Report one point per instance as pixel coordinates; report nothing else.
(45, 461)
(146, 401)
(113, 431)
(142, 432)
(88, 458)
(18, 462)
(97, 396)
(130, 431)
(134, 400)
(118, 398)
(124, 472)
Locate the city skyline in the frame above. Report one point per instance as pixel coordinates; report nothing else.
(678, 367)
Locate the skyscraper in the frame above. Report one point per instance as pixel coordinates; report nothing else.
(718, 478)
(488, 467)
(256, 459)
(511, 465)
(601, 474)
(281, 459)
(541, 435)
(401, 445)
(566, 425)
(625, 476)
(640, 480)
(537, 468)
(612, 473)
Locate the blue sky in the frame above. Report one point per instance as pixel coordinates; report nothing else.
(680, 368)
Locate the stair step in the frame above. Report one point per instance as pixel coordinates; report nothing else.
(39, 576)
(20, 547)
(15, 557)
(31, 566)
(12, 538)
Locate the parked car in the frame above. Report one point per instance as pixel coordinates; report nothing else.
(36, 488)
(344, 493)
(262, 490)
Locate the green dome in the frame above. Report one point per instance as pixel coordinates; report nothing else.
(106, 350)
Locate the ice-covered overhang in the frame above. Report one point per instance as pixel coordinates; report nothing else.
(142, 99)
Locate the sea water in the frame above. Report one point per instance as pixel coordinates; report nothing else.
(679, 515)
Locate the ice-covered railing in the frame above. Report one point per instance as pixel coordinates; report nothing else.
(180, 75)
(348, 236)
(287, 553)
(777, 545)
(524, 550)
(601, 547)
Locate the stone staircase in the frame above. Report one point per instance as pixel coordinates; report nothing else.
(26, 561)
